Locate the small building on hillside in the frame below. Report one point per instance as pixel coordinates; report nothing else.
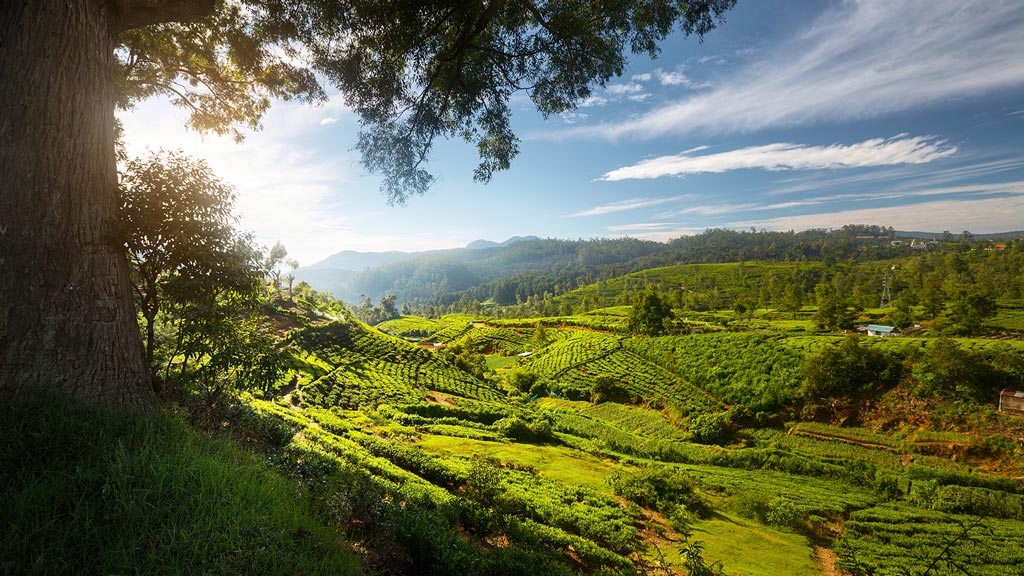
(884, 331)
(1011, 402)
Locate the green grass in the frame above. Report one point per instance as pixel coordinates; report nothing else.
(96, 493)
(555, 462)
(747, 548)
(497, 362)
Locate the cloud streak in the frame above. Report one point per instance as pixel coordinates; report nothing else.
(979, 216)
(626, 205)
(861, 59)
(1012, 188)
(901, 149)
(641, 227)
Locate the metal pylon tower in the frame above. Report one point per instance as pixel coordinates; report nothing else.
(886, 293)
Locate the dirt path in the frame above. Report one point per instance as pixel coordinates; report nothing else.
(826, 561)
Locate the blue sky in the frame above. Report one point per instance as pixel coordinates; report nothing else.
(792, 115)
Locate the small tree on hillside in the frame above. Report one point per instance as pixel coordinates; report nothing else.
(833, 312)
(848, 370)
(177, 218)
(649, 314)
(274, 264)
(792, 299)
(292, 265)
(196, 279)
(973, 311)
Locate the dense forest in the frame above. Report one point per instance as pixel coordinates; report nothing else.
(709, 271)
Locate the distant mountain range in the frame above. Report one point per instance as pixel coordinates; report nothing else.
(352, 261)
(480, 244)
(350, 275)
(527, 265)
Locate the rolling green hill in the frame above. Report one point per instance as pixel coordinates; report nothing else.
(741, 436)
(571, 484)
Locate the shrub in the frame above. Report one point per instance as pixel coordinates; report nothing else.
(520, 379)
(782, 512)
(847, 370)
(663, 489)
(712, 428)
(516, 428)
(607, 389)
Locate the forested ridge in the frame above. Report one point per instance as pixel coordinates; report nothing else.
(550, 277)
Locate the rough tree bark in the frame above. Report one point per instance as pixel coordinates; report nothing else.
(67, 323)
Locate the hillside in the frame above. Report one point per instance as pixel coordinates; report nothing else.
(520, 269)
(430, 276)
(705, 437)
(739, 434)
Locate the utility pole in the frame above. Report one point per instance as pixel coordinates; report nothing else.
(886, 293)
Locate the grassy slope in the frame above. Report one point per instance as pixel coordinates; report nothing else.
(148, 494)
(742, 544)
(88, 493)
(732, 366)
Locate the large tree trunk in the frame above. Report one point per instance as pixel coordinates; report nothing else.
(67, 324)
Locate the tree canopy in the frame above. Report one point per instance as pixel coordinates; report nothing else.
(412, 70)
(187, 258)
(649, 314)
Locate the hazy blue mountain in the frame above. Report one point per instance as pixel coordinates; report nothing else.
(505, 272)
(428, 275)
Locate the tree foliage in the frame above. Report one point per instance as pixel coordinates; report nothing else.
(413, 71)
(176, 216)
(195, 276)
(833, 313)
(649, 314)
(947, 369)
(223, 69)
(972, 311)
(848, 370)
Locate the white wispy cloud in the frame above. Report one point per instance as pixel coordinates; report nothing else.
(906, 177)
(328, 121)
(621, 89)
(625, 205)
(713, 209)
(573, 117)
(901, 149)
(979, 216)
(592, 101)
(677, 77)
(641, 227)
(665, 234)
(674, 79)
(912, 197)
(860, 59)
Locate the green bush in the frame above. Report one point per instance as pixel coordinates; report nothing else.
(712, 428)
(662, 488)
(849, 370)
(516, 428)
(782, 512)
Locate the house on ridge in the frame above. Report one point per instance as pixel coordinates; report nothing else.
(883, 331)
